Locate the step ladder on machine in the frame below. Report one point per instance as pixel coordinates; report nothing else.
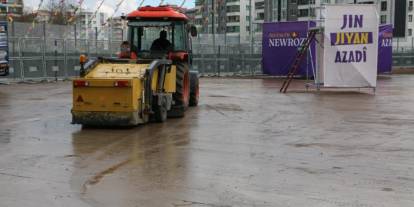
(300, 55)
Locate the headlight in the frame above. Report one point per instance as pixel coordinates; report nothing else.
(3, 54)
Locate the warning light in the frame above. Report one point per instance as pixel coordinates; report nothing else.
(80, 83)
(121, 83)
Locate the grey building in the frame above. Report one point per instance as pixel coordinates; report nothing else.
(396, 12)
(281, 10)
(231, 17)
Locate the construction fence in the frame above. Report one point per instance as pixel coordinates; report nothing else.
(403, 52)
(47, 51)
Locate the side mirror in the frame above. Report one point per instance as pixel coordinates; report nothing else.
(193, 31)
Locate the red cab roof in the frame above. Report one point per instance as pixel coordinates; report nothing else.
(159, 12)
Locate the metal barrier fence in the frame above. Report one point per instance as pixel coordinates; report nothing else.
(34, 58)
(52, 51)
(240, 59)
(403, 52)
(39, 58)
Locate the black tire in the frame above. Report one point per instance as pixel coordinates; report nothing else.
(181, 96)
(194, 89)
(160, 112)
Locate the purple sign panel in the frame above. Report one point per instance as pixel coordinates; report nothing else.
(385, 48)
(281, 41)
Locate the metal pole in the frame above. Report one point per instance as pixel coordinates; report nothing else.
(110, 39)
(96, 41)
(250, 27)
(412, 43)
(398, 43)
(213, 31)
(19, 47)
(75, 35)
(44, 50)
(307, 52)
(56, 60)
(218, 68)
(65, 59)
(13, 35)
(391, 8)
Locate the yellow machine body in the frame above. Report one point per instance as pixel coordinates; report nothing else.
(113, 94)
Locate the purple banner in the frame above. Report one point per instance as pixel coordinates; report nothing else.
(385, 49)
(281, 41)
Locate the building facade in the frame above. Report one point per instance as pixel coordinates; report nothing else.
(90, 26)
(13, 8)
(118, 28)
(397, 12)
(234, 18)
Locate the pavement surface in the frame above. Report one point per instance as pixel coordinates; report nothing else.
(244, 145)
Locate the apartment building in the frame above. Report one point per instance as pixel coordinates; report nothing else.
(88, 24)
(281, 10)
(118, 28)
(396, 12)
(234, 18)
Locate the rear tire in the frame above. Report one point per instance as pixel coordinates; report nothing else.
(194, 89)
(160, 112)
(181, 96)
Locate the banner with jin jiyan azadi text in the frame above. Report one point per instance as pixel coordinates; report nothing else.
(351, 46)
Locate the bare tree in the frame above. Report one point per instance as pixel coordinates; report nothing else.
(27, 16)
(61, 11)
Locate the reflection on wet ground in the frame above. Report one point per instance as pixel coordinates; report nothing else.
(245, 145)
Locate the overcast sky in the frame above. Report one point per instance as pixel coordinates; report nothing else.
(109, 5)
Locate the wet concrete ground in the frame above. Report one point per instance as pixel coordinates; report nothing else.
(245, 145)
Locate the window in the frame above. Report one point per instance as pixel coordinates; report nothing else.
(306, 2)
(303, 2)
(303, 12)
(260, 16)
(179, 36)
(383, 6)
(410, 18)
(143, 35)
(233, 8)
(293, 12)
(233, 29)
(312, 12)
(233, 19)
(259, 5)
(410, 32)
(383, 19)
